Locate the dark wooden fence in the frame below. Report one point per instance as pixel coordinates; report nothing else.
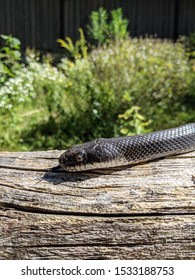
(39, 23)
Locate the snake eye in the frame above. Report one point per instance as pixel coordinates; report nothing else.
(79, 157)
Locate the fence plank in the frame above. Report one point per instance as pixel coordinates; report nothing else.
(39, 23)
(186, 22)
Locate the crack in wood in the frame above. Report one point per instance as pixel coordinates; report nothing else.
(9, 206)
(24, 168)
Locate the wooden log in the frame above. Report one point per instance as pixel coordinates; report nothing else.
(145, 211)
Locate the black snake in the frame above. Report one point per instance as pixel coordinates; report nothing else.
(119, 151)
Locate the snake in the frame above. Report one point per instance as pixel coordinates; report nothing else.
(127, 150)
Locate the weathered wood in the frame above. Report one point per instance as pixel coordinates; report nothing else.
(140, 212)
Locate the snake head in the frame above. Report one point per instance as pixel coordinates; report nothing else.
(89, 155)
(72, 158)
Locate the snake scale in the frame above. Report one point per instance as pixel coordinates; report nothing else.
(120, 151)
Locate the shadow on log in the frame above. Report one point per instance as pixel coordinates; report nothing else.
(140, 212)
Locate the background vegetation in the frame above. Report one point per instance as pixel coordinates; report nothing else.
(116, 85)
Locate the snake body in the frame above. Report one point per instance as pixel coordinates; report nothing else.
(119, 151)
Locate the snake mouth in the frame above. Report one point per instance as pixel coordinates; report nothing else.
(66, 163)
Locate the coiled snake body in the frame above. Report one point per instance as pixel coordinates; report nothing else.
(111, 152)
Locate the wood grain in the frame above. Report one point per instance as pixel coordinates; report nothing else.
(139, 212)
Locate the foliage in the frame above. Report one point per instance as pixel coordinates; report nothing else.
(152, 74)
(10, 57)
(77, 50)
(118, 25)
(15, 85)
(104, 27)
(22, 96)
(131, 120)
(190, 44)
(125, 87)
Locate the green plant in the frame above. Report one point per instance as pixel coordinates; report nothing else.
(152, 74)
(77, 49)
(126, 86)
(10, 56)
(118, 25)
(98, 26)
(104, 27)
(132, 122)
(189, 43)
(32, 94)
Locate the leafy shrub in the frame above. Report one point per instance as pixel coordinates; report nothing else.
(129, 86)
(132, 121)
(10, 56)
(104, 27)
(125, 87)
(26, 95)
(189, 43)
(152, 74)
